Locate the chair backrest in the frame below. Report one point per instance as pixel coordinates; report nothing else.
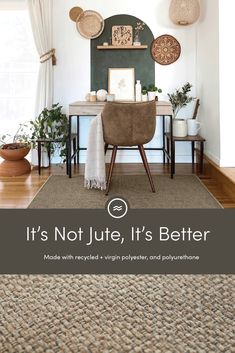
(129, 124)
(197, 105)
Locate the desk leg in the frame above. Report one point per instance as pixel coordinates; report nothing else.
(74, 150)
(172, 148)
(193, 153)
(67, 156)
(78, 132)
(69, 148)
(49, 153)
(163, 139)
(168, 149)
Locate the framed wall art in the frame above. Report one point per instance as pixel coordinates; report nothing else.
(121, 82)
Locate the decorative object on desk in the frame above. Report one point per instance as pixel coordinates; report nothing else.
(152, 92)
(193, 127)
(101, 95)
(144, 93)
(138, 89)
(121, 82)
(75, 12)
(178, 100)
(110, 97)
(184, 12)
(87, 97)
(165, 49)
(51, 124)
(93, 97)
(138, 28)
(122, 35)
(90, 24)
(105, 44)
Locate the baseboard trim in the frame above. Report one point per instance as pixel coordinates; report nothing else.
(214, 171)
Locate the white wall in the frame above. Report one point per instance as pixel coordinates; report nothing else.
(227, 75)
(208, 76)
(72, 73)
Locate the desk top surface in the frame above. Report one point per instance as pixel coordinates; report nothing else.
(91, 108)
(87, 103)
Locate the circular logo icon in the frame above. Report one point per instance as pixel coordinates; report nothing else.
(117, 208)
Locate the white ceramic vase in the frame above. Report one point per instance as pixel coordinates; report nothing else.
(180, 128)
(151, 96)
(144, 97)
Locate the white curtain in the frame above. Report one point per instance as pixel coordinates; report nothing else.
(40, 12)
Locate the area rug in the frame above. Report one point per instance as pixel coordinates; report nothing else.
(181, 192)
(117, 314)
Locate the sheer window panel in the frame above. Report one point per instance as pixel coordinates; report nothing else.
(19, 66)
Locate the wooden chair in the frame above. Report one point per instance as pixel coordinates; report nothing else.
(128, 124)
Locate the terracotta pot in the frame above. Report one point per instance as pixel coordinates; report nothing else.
(14, 154)
(14, 168)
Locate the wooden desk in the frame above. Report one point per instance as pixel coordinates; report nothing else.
(78, 109)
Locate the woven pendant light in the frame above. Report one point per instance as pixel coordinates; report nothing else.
(184, 12)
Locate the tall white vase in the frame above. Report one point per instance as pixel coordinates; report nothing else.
(44, 157)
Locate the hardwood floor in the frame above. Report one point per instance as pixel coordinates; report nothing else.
(18, 192)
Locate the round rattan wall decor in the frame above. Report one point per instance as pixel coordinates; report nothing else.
(75, 12)
(90, 24)
(165, 49)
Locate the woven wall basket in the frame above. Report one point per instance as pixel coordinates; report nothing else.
(184, 12)
(90, 24)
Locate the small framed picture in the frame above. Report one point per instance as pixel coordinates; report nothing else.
(122, 84)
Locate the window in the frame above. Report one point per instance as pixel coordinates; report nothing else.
(18, 69)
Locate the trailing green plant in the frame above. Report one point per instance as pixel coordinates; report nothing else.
(180, 98)
(51, 124)
(20, 139)
(153, 88)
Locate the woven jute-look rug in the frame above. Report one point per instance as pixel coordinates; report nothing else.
(117, 314)
(184, 191)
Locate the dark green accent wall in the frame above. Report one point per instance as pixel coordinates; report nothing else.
(102, 60)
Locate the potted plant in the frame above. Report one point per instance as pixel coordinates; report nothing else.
(152, 92)
(51, 124)
(179, 99)
(19, 146)
(13, 149)
(144, 93)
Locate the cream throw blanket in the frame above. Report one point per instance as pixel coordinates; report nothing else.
(95, 160)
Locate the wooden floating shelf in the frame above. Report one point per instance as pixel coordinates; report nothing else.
(109, 47)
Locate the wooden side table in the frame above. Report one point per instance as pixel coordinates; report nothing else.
(193, 140)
